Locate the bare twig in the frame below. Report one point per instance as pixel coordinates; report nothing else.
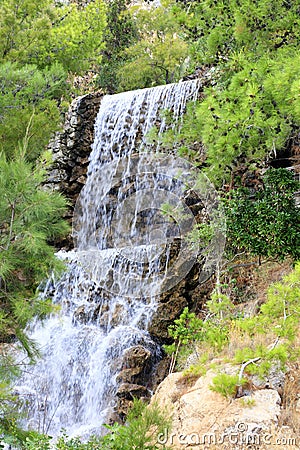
(245, 364)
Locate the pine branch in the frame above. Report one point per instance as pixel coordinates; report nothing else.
(12, 218)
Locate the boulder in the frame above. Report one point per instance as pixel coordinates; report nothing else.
(204, 419)
(136, 365)
(126, 393)
(164, 316)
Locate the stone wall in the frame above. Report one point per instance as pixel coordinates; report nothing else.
(71, 149)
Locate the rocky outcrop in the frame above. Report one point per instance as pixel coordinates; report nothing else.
(136, 362)
(139, 371)
(203, 419)
(171, 303)
(126, 393)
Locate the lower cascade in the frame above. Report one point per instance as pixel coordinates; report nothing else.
(128, 228)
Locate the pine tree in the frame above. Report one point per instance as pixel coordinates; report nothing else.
(43, 32)
(30, 217)
(29, 106)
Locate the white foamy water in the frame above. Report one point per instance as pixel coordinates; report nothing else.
(122, 254)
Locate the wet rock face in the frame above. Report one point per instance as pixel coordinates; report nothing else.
(172, 302)
(136, 366)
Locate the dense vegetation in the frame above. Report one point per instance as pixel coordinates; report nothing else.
(142, 426)
(248, 115)
(43, 46)
(257, 343)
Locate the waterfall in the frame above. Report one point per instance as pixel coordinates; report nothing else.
(126, 254)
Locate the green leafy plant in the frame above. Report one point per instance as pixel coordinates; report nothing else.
(185, 331)
(226, 385)
(159, 54)
(120, 33)
(43, 32)
(30, 217)
(142, 427)
(187, 328)
(279, 318)
(195, 371)
(29, 105)
(258, 223)
(247, 402)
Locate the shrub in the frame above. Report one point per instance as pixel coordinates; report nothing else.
(266, 223)
(226, 385)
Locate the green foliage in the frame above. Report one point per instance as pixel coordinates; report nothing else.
(76, 38)
(249, 118)
(30, 217)
(187, 328)
(253, 106)
(185, 331)
(201, 235)
(218, 29)
(279, 316)
(29, 111)
(8, 402)
(281, 312)
(219, 304)
(194, 370)
(37, 442)
(24, 26)
(277, 323)
(247, 402)
(120, 33)
(143, 427)
(266, 223)
(159, 54)
(247, 353)
(226, 385)
(43, 32)
(140, 432)
(216, 334)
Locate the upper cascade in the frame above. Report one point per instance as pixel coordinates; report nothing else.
(125, 119)
(122, 145)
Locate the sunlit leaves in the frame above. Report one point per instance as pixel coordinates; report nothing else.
(42, 32)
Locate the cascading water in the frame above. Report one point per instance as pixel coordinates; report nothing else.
(122, 261)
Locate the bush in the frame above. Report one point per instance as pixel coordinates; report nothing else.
(266, 223)
(140, 432)
(226, 385)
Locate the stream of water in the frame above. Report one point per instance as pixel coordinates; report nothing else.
(120, 264)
